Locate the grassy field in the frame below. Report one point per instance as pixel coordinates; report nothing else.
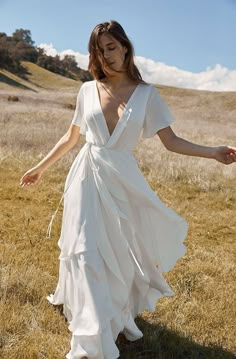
(199, 321)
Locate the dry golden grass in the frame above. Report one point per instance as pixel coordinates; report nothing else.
(48, 80)
(38, 79)
(199, 321)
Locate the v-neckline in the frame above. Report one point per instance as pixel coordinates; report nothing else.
(122, 115)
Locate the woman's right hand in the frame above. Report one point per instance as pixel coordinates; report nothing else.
(31, 177)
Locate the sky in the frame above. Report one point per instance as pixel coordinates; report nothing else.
(183, 43)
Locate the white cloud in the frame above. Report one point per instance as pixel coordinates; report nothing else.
(218, 78)
(49, 49)
(82, 60)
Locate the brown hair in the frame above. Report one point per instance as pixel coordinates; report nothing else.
(96, 59)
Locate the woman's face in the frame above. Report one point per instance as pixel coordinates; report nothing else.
(113, 53)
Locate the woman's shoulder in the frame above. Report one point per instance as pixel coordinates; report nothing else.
(87, 84)
(147, 88)
(85, 88)
(147, 85)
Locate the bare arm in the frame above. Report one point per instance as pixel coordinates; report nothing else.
(64, 145)
(224, 154)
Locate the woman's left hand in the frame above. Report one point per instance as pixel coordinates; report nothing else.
(225, 154)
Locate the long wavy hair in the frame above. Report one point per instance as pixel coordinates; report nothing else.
(97, 64)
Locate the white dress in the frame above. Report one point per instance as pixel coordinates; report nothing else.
(115, 230)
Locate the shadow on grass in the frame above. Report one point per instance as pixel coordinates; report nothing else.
(9, 81)
(159, 342)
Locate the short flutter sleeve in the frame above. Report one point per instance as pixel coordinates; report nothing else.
(157, 114)
(78, 118)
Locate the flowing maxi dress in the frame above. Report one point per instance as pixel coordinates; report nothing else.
(115, 230)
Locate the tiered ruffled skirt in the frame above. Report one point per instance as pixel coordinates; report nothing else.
(111, 244)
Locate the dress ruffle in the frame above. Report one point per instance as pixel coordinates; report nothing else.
(93, 304)
(115, 232)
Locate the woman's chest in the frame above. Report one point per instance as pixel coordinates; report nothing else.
(112, 110)
(104, 115)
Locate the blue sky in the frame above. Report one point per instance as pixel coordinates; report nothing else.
(184, 38)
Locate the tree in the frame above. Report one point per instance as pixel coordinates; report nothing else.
(23, 35)
(70, 63)
(20, 47)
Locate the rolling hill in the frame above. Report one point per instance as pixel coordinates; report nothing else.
(38, 79)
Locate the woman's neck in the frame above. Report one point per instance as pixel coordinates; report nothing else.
(117, 81)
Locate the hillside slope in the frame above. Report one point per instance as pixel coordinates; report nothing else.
(37, 79)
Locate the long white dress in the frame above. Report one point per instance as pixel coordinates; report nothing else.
(115, 230)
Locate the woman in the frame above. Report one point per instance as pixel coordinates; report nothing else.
(117, 237)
